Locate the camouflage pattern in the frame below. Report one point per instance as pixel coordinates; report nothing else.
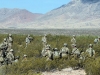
(46, 52)
(96, 41)
(44, 40)
(1, 57)
(4, 45)
(82, 57)
(64, 50)
(98, 38)
(10, 56)
(25, 58)
(56, 53)
(28, 39)
(90, 52)
(73, 40)
(10, 41)
(75, 51)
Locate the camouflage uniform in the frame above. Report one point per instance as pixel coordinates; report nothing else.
(56, 53)
(16, 59)
(82, 59)
(10, 56)
(73, 40)
(4, 45)
(82, 56)
(75, 51)
(99, 39)
(44, 49)
(96, 41)
(48, 53)
(10, 41)
(28, 40)
(90, 52)
(24, 58)
(64, 50)
(1, 58)
(44, 40)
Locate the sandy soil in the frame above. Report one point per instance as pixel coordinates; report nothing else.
(66, 71)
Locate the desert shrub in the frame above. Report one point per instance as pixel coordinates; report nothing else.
(36, 63)
(92, 66)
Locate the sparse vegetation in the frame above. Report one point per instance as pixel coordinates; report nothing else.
(37, 64)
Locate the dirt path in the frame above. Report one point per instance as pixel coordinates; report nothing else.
(66, 71)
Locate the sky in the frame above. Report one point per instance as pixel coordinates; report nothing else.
(34, 6)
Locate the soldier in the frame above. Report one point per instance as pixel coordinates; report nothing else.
(73, 40)
(64, 50)
(4, 45)
(44, 49)
(75, 51)
(90, 52)
(16, 59)
(56, 53)
(82, 59)
(44, 40)
(99, 39)
(10, 41)
(10, 56)
(1, 58)
(48, 46)
(48, 53)
(96, 40)
(28, 39)
(82, 56)
(25, 58)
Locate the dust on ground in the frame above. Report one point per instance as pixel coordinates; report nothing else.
(66, 71)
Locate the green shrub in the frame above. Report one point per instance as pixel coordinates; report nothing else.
(37, 64)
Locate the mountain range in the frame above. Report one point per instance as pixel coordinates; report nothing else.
(12, 18)
(75, 14)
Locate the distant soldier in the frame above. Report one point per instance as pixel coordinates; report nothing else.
(44, 40)
(25, 58)
(64, 50)
(75, 51)
(28, 39)
(10, 56)
(73, 40)
(16, 59)
(96, 40)
(90, 52)
(10, 41)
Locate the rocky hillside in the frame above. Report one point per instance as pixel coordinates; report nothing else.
(15, 17)
(75, 14)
